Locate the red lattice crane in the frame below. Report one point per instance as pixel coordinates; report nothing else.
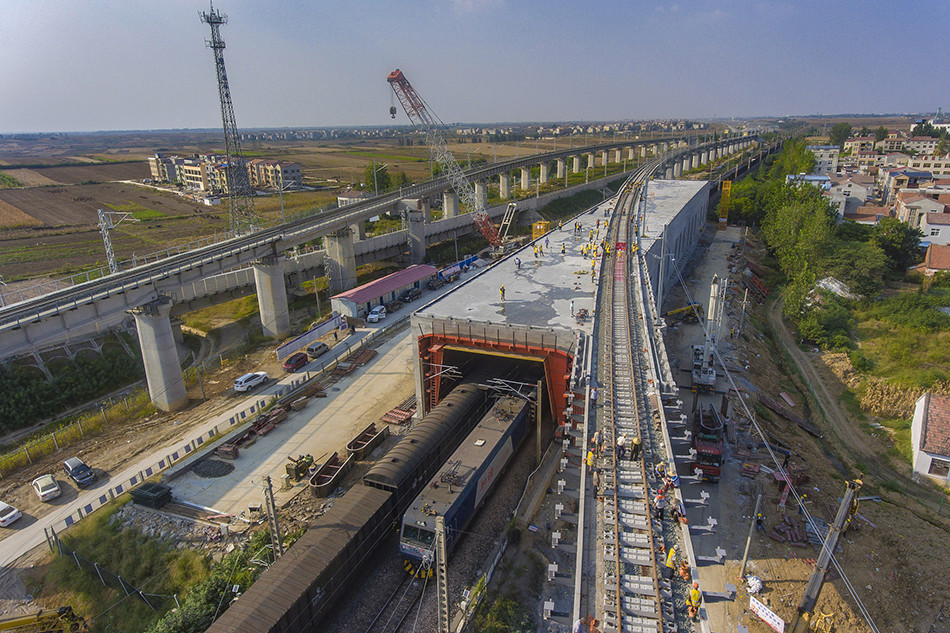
(423, 118)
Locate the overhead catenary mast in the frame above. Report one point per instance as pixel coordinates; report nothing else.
(243, 218)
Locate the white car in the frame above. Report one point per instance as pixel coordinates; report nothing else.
(377, 314)
(46, 487)
(8, 514)
(249, 381)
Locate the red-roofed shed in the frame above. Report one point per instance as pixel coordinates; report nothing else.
(360, 300)
(930, 437)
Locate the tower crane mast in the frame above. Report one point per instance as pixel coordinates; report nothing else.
(423, 118)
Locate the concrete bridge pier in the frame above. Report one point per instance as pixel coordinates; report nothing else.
(686, 164)
(590, 160)
(359, 231)
(575, 164)
(504, 186)
(545, 174)
(450, 204)
(166, 384)
(643, 151)
(561, 167)
(718, 152)
(272, 296)
(481, 194)
(617, 156)
(704, 158)
(339, 247)
(525, 178)
(417, 234)
(669, 173)
(695, 161)
(677, 169)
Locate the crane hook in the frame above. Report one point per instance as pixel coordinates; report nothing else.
(392, 111)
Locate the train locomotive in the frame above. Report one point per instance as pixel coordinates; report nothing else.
(462, 484)
(299, 588)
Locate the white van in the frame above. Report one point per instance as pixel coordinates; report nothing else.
(377, 314)
(314, 350)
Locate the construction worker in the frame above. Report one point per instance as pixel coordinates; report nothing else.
(694, 600)
(535, 251)
(518, 263)
(635, 447)
(760, 523)
(670, 568)
(572, 307)
(563, 249)
(540, 250)
(590, 459)
(659, 505)
(502, 291)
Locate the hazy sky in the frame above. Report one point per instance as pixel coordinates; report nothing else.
(70, 65)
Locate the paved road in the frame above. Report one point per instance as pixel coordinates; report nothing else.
(31, 535)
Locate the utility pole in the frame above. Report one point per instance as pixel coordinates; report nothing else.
(441, 564)
(275, 538)
(846, 510)
(745, 298)
(748, 542)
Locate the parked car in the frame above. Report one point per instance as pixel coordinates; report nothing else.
(435, 283)
(8, 514)
(296, 361)
(249, 381)
(315, 350)
(410, 295)
(79, 472)
(46, 487)
(393, 305)
(377, 314)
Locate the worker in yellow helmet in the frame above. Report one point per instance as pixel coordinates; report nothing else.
(694, 600)
(502, 291)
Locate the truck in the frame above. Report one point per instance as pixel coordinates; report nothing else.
(707, 441)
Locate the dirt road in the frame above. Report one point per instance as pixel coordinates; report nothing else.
(857, 446)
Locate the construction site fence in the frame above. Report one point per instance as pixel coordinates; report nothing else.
(189, 448)
(106, 577)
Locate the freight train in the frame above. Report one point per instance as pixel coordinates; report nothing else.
(462, 484)
(294, 593)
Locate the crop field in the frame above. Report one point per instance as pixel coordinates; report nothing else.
(75, 174)
(76, 205)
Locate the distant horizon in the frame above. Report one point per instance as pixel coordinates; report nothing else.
(562, 122)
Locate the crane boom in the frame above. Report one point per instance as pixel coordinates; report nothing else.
(420, 115)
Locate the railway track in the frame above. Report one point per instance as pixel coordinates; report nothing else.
(635, 597)
(399, 606)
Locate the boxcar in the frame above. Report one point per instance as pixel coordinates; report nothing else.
(296, 591)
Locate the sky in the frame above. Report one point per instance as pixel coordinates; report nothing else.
(88, 65)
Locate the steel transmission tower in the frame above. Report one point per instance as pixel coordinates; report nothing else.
(243, 219)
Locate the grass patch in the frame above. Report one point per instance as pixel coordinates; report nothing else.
(900, 434)
(149, 214)
(395, 158)
(9, 182)
(148, 564)
(209, 318)
(907, 356)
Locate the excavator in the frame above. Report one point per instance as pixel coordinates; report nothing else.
(426, 121)
(61, 620)
(686, 314)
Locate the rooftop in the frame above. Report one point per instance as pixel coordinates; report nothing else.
(395, 281)
(938, 257)
(935, 431)
(540, 292)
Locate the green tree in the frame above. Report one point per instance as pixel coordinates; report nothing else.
(859, 265)
(840, 133)
(880, 134)
(899, 241)
(382, 182)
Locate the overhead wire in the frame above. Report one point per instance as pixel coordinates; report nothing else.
(808, 517)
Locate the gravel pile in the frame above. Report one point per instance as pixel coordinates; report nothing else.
(210, 468)
(177, 532)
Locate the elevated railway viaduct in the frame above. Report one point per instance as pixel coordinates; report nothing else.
(154, 291)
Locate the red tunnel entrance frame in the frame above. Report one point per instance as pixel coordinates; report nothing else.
(557, 366)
